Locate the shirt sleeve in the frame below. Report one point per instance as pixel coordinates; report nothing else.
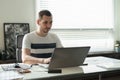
(26, 42)
(58, 42)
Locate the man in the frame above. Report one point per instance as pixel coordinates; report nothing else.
(38, 45)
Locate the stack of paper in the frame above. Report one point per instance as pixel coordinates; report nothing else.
(10, 75)
(110, 65)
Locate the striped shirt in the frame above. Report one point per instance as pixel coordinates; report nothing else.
(41, 47)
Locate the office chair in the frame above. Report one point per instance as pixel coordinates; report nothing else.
(19, 39)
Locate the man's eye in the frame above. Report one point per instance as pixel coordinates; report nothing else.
(45, 22)
(51, 22)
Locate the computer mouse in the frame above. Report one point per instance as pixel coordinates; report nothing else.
(17, 65)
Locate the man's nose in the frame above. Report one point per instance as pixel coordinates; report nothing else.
(48, 25)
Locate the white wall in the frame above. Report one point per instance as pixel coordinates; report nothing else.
(117, 19)
(16, 11)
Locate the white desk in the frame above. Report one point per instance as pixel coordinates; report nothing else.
(105, 62)
(81, 72)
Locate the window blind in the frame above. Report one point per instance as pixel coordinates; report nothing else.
(82, 22)
(99, 40)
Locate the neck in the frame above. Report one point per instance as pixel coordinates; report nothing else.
(40, 33)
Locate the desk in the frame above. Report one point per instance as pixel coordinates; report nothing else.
(89, 72)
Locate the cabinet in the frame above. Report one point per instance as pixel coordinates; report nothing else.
(7, 61)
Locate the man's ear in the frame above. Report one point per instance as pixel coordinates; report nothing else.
(38, 21)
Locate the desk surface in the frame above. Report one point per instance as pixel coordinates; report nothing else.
(40, 73)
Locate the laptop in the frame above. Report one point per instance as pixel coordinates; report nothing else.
(68, 57)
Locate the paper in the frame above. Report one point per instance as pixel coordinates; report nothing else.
(110, 65)
(10, 75)
(9, 67)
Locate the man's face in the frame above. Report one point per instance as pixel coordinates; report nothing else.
(45, 23)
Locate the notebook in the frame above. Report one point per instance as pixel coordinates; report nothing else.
(67, 57)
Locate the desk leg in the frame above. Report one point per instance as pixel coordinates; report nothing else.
(100, 77)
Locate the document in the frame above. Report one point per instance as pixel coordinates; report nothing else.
(10, 75)
(110, 65)
(9, 67)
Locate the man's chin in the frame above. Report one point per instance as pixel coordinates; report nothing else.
(46, 31)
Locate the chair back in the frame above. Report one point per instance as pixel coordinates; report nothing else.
(19, 39)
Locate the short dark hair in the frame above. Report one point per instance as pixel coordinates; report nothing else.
(44, 12)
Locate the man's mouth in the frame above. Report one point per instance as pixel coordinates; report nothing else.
(46, 30)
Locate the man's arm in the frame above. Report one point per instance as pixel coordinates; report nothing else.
(26, 58)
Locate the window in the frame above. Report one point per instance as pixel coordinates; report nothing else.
(82, 22)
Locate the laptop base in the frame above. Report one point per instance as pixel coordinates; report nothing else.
(54, 71)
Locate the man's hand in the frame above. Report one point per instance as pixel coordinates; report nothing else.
(47, 60)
